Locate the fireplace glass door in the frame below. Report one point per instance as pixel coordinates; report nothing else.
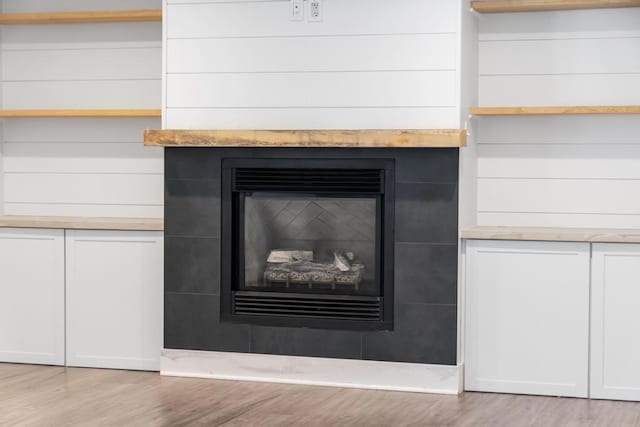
(311, 244)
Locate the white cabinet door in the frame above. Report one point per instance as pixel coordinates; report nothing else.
(527, 317)
(615, 322)
(32, 296)
(114, 299)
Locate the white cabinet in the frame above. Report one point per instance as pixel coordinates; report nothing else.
(95, 301)
(32, 296)
(114, 299)
(527, 317)
(615, 322)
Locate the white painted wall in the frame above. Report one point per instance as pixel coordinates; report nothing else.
(1, 134)
(578, 171)
(83, 167)
(369, 64)
(1, 172)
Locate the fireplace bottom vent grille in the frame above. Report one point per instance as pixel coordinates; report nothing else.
(313, 306)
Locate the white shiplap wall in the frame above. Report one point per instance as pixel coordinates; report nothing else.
(368, 64)
(84, 167)
(581, 171)
(1, 174)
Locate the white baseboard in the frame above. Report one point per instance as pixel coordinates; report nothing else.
(367, 374)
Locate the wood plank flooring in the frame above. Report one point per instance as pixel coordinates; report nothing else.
(56, 396)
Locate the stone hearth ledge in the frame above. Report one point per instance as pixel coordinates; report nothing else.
(358, 138)
(366, 374)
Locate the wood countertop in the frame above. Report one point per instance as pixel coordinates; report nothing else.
(358, 138)
(82, 223)
(555, 234)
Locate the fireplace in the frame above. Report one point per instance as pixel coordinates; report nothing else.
(308, 242)
(416, 278)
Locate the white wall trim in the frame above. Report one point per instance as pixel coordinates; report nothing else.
(2, 148)
(367, 374)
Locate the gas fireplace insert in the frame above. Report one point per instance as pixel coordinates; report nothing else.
(308, 242)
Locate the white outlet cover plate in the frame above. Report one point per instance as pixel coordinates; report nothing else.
(296, 10)
(316, 10)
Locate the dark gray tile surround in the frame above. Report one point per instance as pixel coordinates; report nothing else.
(425, 261)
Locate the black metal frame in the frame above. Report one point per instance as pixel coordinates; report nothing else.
(232, 253)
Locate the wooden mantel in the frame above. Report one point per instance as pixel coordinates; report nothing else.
(365, 138)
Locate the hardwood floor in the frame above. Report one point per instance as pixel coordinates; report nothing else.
(56, 396)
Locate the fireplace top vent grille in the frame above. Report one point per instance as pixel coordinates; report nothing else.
(338, 181)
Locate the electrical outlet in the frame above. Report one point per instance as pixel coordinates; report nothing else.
(315, 11)
(296, 10)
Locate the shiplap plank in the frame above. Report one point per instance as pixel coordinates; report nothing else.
(312, 118)
(126, 189)
(82, 94)
(83, 130)
(371, 89)
(80, 112)
(1, 180)
(239, 19)
(558, 220)
(73, 64)
(617, 129)
(333, 53)
(567, 25)
(590, 89)
(592, 196)
(526, 57)
(82, 157)
(85, 210)
(593, 161)
(82, 36)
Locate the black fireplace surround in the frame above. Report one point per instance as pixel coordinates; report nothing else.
(395, 300)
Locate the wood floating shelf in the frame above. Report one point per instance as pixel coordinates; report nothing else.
(82, 223)
(548, 5)
(307, 138)
(81, 17)
(553, 234)
(546, 111)
(149, 112)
